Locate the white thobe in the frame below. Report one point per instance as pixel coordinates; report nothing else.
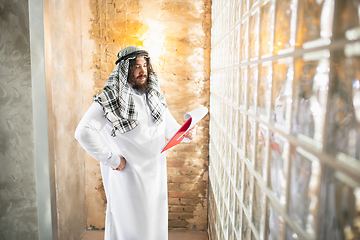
(137, 206)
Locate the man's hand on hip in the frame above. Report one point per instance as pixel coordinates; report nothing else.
(121, 165)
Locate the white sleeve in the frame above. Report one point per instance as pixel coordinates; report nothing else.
(87, 134)
(172, 126)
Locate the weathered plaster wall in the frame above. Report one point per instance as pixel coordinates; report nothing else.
(95, 206)
(18, 203)
(177, 35)
(65, 79)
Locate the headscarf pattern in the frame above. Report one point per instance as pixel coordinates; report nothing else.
(116, 97)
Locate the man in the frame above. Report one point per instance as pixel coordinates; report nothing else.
(125, 129)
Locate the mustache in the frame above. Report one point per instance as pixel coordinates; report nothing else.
(143, 75)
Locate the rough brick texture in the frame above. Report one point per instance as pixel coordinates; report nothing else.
(177, 35)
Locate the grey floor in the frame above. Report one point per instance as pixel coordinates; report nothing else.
(99, 235)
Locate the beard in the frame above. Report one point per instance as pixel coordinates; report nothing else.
(137, 84)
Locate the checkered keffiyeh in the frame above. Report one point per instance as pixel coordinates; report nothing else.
(116, 97)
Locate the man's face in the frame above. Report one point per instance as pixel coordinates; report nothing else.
(139, 78)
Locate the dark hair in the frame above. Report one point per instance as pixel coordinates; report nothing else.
(132, 63)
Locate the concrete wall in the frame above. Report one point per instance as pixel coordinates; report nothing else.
(18, 202)
(64, 79)
(176, 33)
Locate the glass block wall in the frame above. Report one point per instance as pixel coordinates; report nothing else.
(285, 120)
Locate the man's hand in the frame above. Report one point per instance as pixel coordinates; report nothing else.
(191, 133)
(121, 165)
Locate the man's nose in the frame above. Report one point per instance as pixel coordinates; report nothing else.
(143, 69)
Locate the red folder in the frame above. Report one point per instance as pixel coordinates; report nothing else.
(192, 118)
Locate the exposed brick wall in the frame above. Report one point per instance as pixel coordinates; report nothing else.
(178, 36)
